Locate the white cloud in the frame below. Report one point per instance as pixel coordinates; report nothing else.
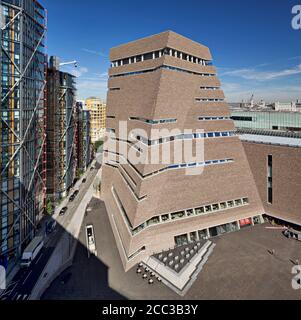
(91, 87)
(253, 74)
(79, 72)
(97, 53)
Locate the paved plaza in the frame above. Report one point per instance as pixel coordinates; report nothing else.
(241, 267)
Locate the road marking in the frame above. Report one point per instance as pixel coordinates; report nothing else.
(27, 277)
(40, 257)
(13, 298)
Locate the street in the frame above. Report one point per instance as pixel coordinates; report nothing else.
(24, 281)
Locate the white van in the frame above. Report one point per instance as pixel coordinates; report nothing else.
(32, 251)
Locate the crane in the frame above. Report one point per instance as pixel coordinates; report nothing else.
(69, 63)
(56, 63)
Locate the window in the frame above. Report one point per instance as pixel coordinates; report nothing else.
(193, 236)
(152, 221)
(240, 118)
(215, 207)
(190, 213)
(208, 209)
(223, 205)
(270, 179)
(200, 210)
(203, 234)
(238, 202)
(230, 204)
(165, 217)
(181, 240)
(177, 215)
(148, 56)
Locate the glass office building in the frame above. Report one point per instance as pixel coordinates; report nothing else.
(22, 126)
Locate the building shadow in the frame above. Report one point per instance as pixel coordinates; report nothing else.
(88, 276)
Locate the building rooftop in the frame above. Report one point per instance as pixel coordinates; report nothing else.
(282, 141)
(160, 41)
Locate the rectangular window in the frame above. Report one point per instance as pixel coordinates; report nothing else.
(270, 179)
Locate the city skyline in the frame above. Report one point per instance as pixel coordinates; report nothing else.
(249, 60)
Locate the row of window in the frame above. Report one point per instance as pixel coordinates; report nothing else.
(209, 100)
(166, 121)
(158, 54)
(200, 164)
(174, 166)
(202, 88)
(210, 88)
(185, 214)
(185, 137)
(165, 68)
(161, 121)
(213, 118)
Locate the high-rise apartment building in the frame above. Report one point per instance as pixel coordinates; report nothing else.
(97, 118)
(61, 132)
(83, 142)
(167, 81)
(22, 128)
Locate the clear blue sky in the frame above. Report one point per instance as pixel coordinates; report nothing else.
(253, 44)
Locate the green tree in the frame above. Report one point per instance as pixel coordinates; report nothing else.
(97, 145)
(49, 207)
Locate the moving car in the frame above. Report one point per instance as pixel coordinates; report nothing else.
(63, 211)
(32, 251)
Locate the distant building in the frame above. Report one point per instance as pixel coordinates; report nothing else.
(97, 118)
(267, 121)
(61, 132)
(286, 106)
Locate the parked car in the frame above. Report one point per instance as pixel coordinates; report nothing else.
(63, 211)
(84, 181)
(50, 227)
(72, 197)
(76, 193)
